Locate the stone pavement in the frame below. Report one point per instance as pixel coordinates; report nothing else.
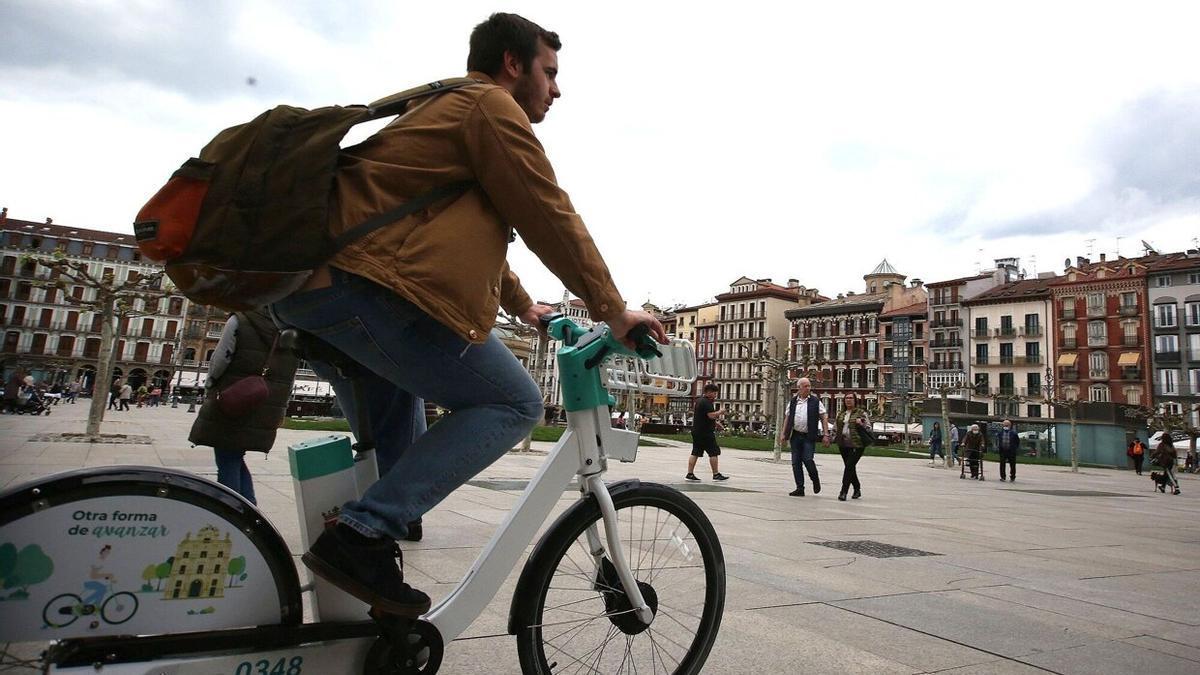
(1068, 573)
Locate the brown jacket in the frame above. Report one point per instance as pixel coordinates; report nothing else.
(449, 259)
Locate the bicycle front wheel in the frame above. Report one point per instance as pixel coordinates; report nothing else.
(119, 608)
(582, 620)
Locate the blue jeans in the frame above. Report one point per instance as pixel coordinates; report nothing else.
(233, 474)
(493, 400)
(802, 458)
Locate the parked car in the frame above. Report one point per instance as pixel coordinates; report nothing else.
(1181, 439)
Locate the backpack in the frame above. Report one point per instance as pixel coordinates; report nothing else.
(245, 223)
(1138, 449)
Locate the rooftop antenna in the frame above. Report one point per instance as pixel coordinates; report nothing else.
(1090, 245)
(1033, 263)
(979, 261)
(1119, 246)
(1148, 248)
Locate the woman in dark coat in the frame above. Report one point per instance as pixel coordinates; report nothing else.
(244, 350)
(849, 426)
(935, 443)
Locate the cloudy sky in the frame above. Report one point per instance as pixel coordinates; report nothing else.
(766, 139)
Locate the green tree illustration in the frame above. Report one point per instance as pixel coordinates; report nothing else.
(236, 567)
(148, 576)
(163, 570)
(31, 566)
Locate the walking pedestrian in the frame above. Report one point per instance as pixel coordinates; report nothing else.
(1166, 457)
(800, 431)
(1137, 452)
(114, 395)
(249, 346)
(935, 444)
(155, 396)
(973, 444)
(73, 391)
(954, 443)
(849, 431)
(1007, 443)
(125, 394)
(705, 424)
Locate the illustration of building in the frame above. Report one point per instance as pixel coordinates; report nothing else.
(200, 567)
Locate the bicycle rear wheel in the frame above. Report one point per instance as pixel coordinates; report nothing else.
(582, 621)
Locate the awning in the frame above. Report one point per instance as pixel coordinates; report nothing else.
(1067, 360)
(1129, 359)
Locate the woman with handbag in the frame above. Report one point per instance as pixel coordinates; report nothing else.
(851, 433)
(246, 394)
(1166, 457)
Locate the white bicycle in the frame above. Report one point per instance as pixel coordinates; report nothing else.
(630, 578)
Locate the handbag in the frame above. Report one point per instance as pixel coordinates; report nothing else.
(244, 396)
(865, 435)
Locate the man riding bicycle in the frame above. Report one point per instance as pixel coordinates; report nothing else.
(414, 303)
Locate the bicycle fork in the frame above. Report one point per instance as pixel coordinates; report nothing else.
(615, 554)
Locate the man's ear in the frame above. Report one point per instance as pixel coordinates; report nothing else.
(512, 65)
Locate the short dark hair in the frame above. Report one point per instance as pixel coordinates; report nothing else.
(507, 32)
(711, 387)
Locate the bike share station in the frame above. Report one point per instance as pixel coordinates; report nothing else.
(151, 570)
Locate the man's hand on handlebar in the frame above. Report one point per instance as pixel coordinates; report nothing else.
(621, 324)
(531, 315)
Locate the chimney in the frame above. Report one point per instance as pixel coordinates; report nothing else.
(841, 295)
(49, 221)
(1080, 261)
(917, 283)
(1102, 257)
(793, 283)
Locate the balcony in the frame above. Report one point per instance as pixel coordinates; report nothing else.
(1129, 375)
(1165, 327)
(1096, 312)
(1027, 360)
(1068, 374)
(946, 344)
(946, 323)
(1007, 391)
(1176, 390)
(982, 361)
(1068, 314)
(1032, 331)
(980, 334)
(1097, 340)
(1007, 332)
(1128, 310)
(1098, 374)
(1070, 343)
(1168, 357)
(1130, 341)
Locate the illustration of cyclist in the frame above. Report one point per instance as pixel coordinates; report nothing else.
(99, 581)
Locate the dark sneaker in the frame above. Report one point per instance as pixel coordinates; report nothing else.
(798, 492)
(367, 569)
(415, 531)
(691, 476)
(816, 487)
(720, 476)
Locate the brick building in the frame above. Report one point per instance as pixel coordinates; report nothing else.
(1102, 349)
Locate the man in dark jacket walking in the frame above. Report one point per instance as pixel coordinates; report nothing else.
(248, 345)
(1008, 442)
(800, 431)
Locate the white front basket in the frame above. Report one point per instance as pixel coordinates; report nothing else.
(672, 373)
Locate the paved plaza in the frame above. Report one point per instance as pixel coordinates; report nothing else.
(1067, 573)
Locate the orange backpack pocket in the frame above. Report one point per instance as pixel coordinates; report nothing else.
(165, 225)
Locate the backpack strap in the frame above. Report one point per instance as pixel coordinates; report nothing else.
(395, 105)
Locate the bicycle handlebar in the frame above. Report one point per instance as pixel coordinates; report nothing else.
(562, 328)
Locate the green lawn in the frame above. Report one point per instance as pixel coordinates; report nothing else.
(767, 445)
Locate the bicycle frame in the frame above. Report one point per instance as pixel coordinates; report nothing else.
(583, 450)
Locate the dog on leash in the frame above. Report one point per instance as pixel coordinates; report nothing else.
(1160, 480)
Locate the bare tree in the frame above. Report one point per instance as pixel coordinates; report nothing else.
(943, 394)
(111, 300)
(1057, 397)
(778, 371)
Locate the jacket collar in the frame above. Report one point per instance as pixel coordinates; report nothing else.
(482, 77)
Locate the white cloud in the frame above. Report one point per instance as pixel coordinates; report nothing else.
(805, 140)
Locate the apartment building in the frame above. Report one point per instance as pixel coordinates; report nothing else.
(545, 370)
(750, 322)
(903, 333)
(697, 324)
(58, 342)
(1102, 334)
(1173, 286)
(948, 357)
(1011, 342)
(839, 338)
